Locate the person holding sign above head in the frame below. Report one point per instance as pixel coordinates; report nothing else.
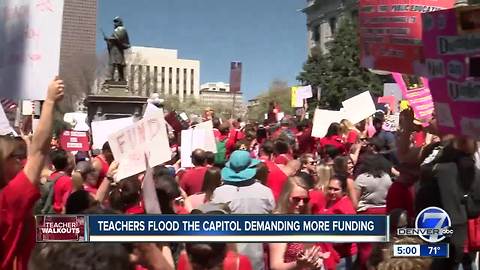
(102, 162)
(19, 187)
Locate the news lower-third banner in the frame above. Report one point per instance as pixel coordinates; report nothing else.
(213, 228)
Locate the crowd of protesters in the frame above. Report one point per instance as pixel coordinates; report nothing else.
(259, 168)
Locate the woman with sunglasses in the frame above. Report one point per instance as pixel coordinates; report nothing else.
(19, 185)
(338, 203)
(294, 199)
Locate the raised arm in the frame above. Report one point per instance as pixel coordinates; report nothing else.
(39, 146)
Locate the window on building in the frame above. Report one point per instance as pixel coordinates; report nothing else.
(140, 79)
(163, 79)
(177, 81)
(316, 33)
(184, 81)
(192, 73)
(222, 90)
(333, 25)
(132, 76)
(148, 81)
(155, 79)
(170, 73)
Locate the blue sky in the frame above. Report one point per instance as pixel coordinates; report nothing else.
(267, 36)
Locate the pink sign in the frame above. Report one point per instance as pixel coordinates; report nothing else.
(391, 33)
(416, 91)
(452, 50)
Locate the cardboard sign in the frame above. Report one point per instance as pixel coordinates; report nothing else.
(322, 119)
(30, 107)
(150, 199)
(391, 122)
(30, 47)
(359, 107)
(391, 33)
(209, 141)
(296, 100)
(147, 137)
(102, 129)
(451, 39)
(74, 141)
(150, 109)
(418, 96)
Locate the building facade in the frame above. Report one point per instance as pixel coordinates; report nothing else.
(322, 20)
(218, 94)
(156, 70)
(78, 46)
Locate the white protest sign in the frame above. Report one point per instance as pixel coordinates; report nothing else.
(304, 92)
(208, 142)
(150, 109)
(359, 107)
(102, 129)
(147, 137)
(4, 123)
(199, 137)
(322, 119)
(30, 41)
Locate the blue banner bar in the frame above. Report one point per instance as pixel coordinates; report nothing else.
(434, 250)
(238, 228)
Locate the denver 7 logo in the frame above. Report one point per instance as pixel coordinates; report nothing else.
(435, 219)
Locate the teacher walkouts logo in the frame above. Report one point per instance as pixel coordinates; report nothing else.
(432, 225)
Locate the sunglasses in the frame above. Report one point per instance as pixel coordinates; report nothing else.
(297, 200)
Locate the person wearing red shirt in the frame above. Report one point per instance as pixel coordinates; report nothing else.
(282, 152)
(211, 256)
(192, 180)
(401, 193)
(333, 138)
(234, 136)
(338, 203)
(102, 162)
(63, 181)
(276, 177)
(19, 188)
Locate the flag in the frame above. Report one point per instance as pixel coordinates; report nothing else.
(8, 105)
(235, 76)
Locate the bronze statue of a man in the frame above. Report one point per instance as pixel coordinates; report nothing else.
(117, 43)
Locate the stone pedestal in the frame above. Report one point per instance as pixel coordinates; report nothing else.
(115, 88)
(107, 106)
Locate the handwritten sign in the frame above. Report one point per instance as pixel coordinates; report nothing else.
(30, 39)
(74, 141)
(418, 97)
(102, 129)
(322, 119)
(359, 107)
(451, 39)
(147, 137)
(391, 33)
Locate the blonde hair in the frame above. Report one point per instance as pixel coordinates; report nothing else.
(346, 126)
(284, 198)
(324, 173)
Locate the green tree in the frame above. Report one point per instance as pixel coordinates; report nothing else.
(278, 92)
(338, 72)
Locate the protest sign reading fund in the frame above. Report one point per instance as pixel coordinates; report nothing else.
(391, 33)
(452, 44)
(30, 39)
(146, 138)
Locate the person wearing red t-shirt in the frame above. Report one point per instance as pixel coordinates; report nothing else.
(351, 135)
(102, 162)
(282, 152)
(19, 188)
(63, 181)
(401, 193)
(126, 196)
(333, 138)
(276, 177)
(338, 203)
(191, 180)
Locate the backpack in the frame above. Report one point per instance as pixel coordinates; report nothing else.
(221, 155)
(45, 204)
